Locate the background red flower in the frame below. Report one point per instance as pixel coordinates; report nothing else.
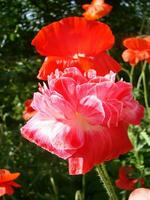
(97, 9)
(126, 181)
(138, 49)
(29, 111)
(7, 183)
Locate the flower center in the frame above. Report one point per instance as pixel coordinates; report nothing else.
(84, 123)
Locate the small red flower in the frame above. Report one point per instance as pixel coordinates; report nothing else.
(125, 181)
(29, 111)
(83, 118)
(140, 194)
(7, 183)
(138, 50)
(75, 42)
(97, 9)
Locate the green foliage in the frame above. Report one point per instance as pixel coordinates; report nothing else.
(43, 175)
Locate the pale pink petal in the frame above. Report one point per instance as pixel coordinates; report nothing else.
(140, 194)
(132, 112)
(40, 130)
(113, 110)
(54, 106)
(91, 107)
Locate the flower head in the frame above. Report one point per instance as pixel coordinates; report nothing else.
(75, 42)
(7, 183)
(29, 111)
(138, 49)
(97, 9)
(83, 118)
(126, 180)
(140, 194)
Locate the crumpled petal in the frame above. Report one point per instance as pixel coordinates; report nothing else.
(70, 43)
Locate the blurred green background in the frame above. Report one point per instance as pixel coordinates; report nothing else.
(43, 175)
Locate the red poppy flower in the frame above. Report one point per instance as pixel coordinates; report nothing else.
(83, 118)
(138, 50)
(29, 111)
(7, 183)
(75, 42)
(125, 181)
(97, 9)
(140, 194)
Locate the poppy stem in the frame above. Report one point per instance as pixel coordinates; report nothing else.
(83, 187)
(102, 172)
(145, 93)
(140, 77)
(131, 75)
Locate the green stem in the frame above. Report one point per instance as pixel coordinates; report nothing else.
(140, 77)
(131, 75)
(54, 188)
(126, 71)
(145, 93)
(83, 187)
(102, 172)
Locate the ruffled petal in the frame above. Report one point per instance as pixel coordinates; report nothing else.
(52, 62)
(103, 64)
(113, 110)
(132, 112)
(91, 107)
(73, 35)
(104, 145)
(136, 43)
(130, 56)
(54, 136)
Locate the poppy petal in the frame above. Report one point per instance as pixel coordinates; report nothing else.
(112, 144)
(130, 56)
(103, 64)
(52, 62)
(2, 191)
(48, 134)
(73, 35)
(9, 190)
(136, 44)
(14, 184)
(7, 176)
(140, 194)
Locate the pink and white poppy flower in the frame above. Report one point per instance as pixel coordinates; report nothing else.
(83, 118)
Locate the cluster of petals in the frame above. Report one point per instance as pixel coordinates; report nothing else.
(7, 183)
(75, 42)
(138, 49)
(126, 180)
(96, 10)
(140, 194)
(83, 118)
(28, 111)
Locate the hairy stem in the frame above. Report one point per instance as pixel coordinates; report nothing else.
(102, 172)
